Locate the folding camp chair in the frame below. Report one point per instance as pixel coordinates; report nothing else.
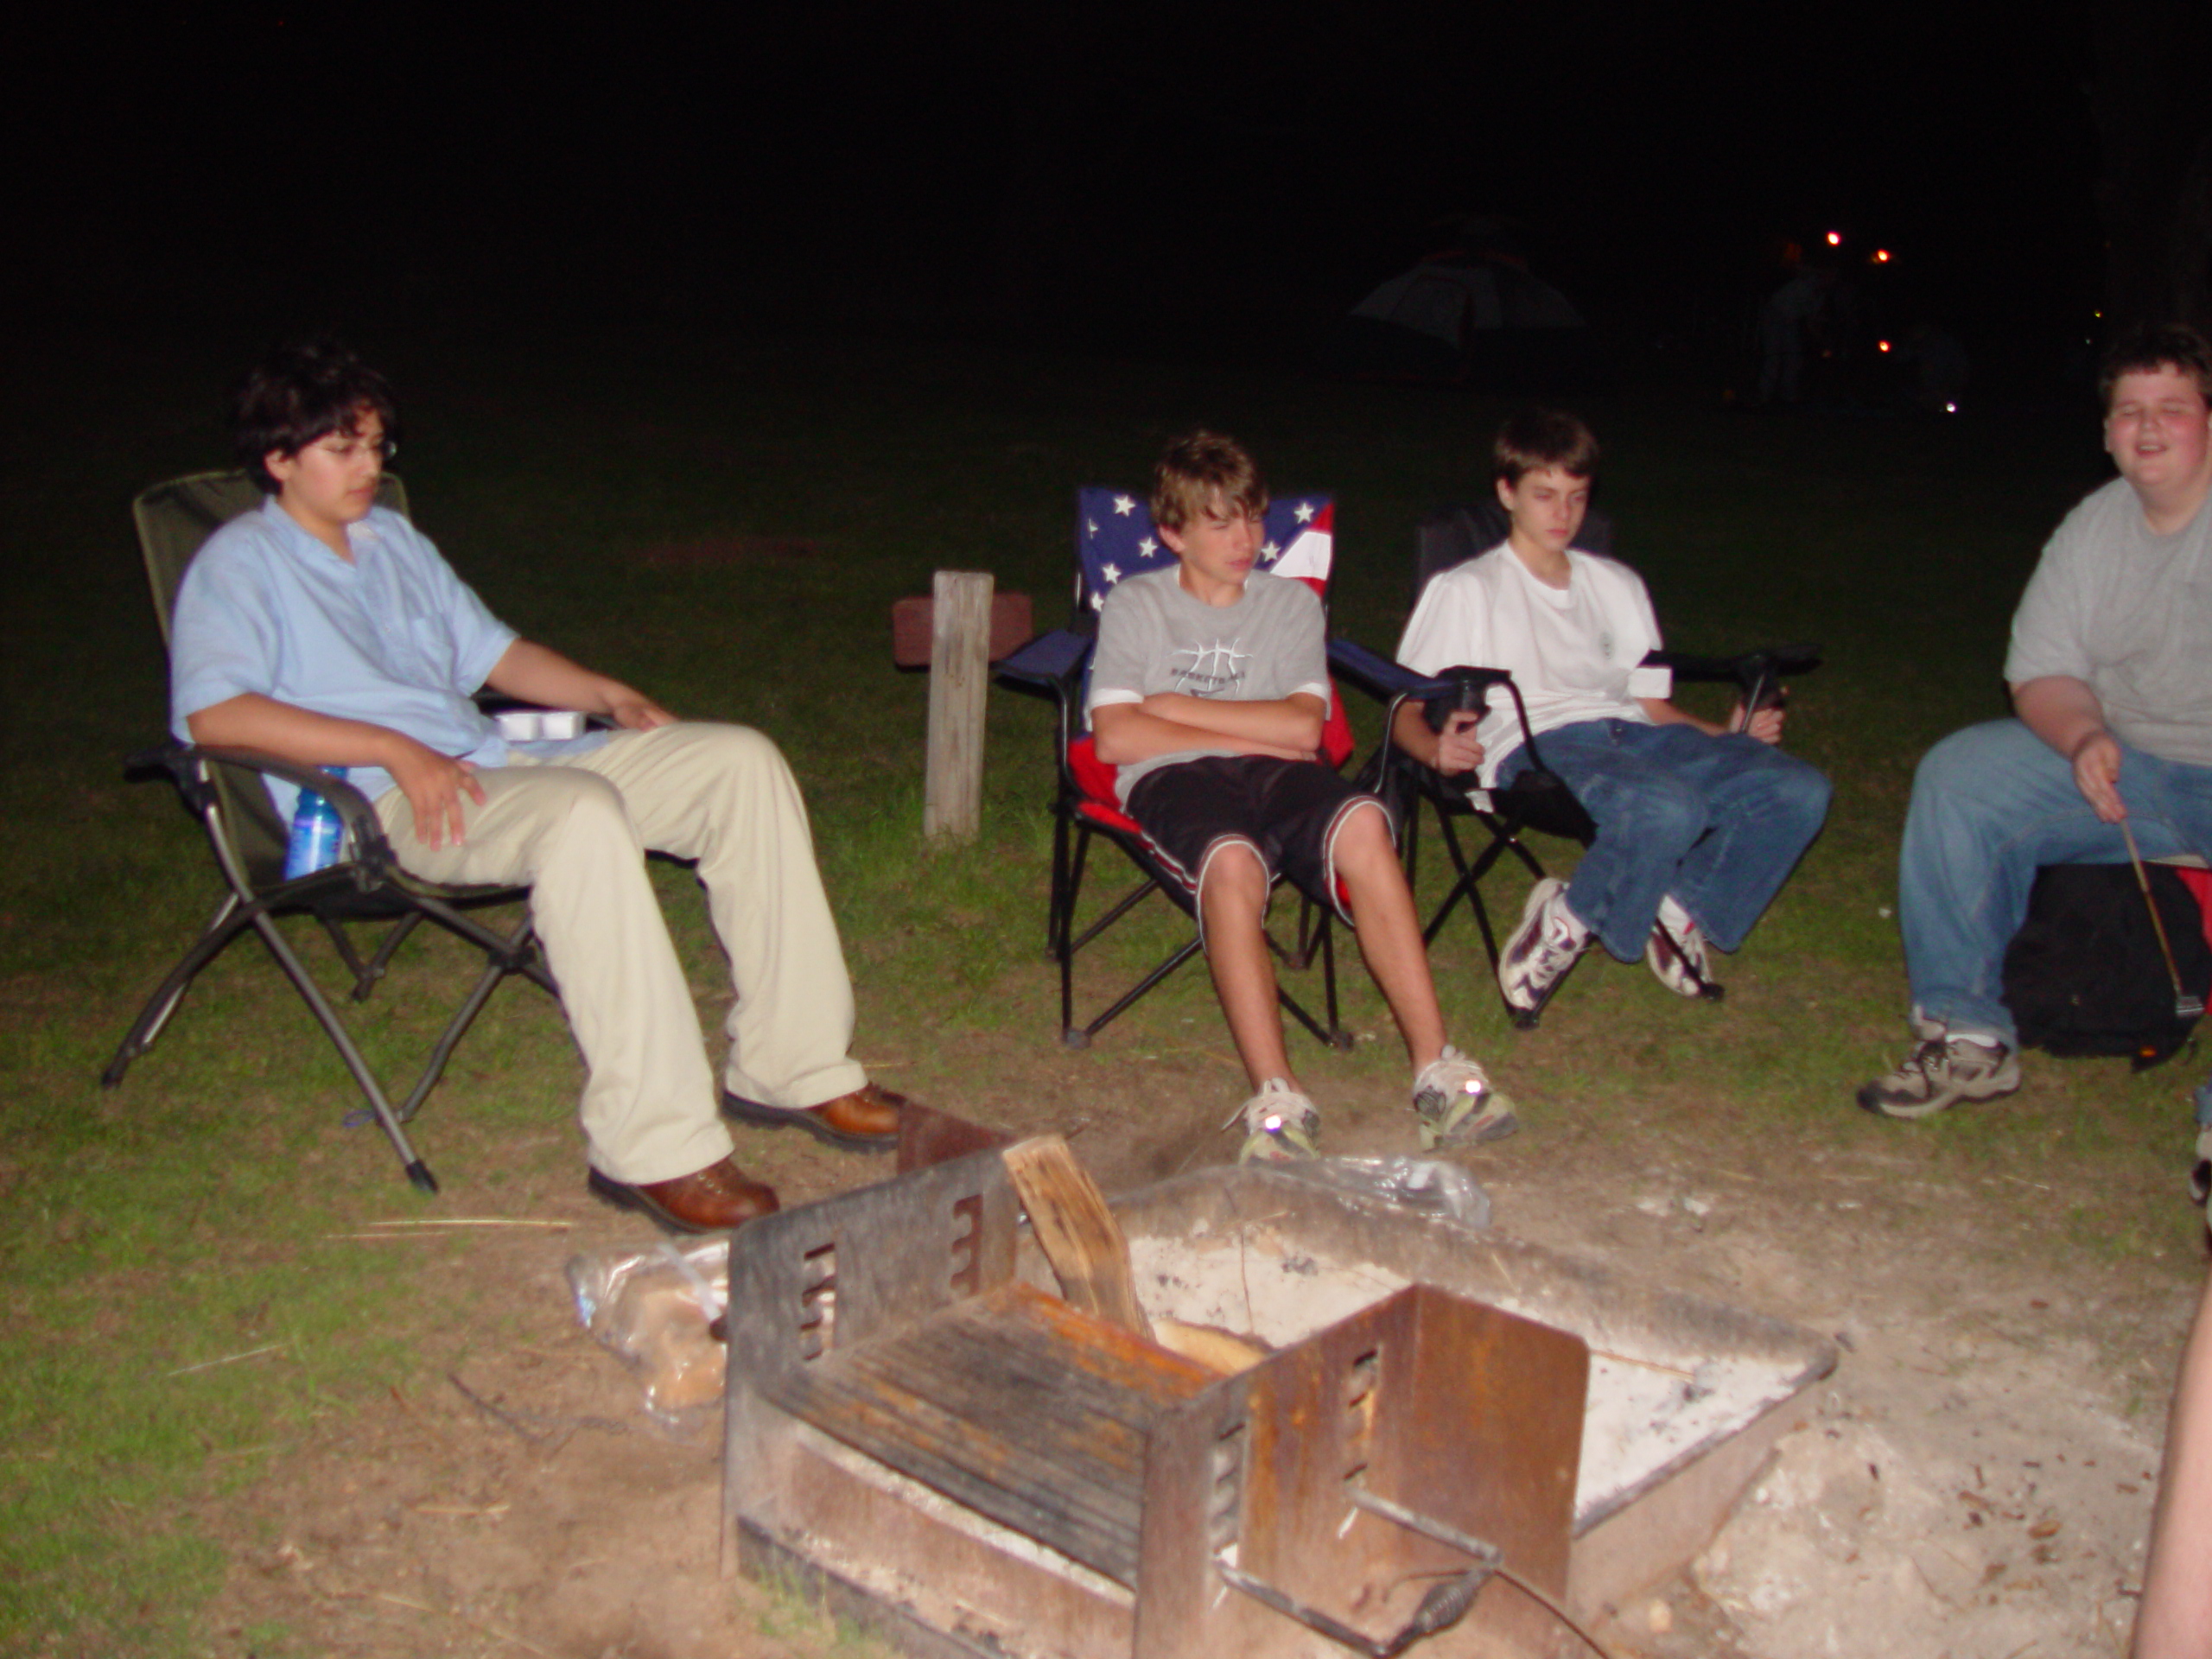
(224, 789)
(1115, 538)
(1537, 799)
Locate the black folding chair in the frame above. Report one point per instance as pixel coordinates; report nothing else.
(224, 789)
(1114, 538)
(1538, 800)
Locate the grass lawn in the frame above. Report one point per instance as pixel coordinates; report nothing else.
(726, 523)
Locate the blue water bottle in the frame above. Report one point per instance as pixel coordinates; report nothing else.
(316, 832)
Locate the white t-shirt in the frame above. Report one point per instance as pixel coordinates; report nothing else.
(1576, 652)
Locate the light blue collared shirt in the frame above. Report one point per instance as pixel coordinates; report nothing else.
(395, 637)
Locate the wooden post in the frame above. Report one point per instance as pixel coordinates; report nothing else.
(960, 644)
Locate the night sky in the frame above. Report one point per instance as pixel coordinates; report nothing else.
(1095, 174)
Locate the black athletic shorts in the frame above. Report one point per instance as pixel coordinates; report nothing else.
(1287, 811)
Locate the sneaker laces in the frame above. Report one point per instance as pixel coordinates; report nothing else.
(1557, 941)
(1454, 1099)
(1933, 1059)
(1281, 1124)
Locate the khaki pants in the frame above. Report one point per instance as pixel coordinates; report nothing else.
(576, 832)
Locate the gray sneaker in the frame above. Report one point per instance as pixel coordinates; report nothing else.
(1940, 1072)
(1456, 1101)
(1281, 1125)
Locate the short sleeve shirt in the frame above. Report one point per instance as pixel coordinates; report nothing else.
(1153, 637)
(1576, 653)
(2129, 612)
(394, 638)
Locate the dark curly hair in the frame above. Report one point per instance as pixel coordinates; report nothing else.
(304, 390)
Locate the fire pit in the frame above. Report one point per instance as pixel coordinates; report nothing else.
(946, 1452)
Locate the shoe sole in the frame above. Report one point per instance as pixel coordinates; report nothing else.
(753, 1113)
(1870, 1098)
(1496, 1129)
(608, 1191)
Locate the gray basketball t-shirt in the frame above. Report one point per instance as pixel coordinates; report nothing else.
(1153, 637)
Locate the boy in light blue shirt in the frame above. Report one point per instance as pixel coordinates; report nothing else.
(327, 630)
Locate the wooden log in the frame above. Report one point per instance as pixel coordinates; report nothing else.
(1076, 1231)
(960, 637)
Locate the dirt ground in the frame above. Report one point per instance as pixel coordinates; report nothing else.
(1975, 1480)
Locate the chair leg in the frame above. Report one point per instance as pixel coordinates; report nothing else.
(367, 976)
(520, 944)
(1065, 877)
(1080, 1038)
(225, 924)
(417, 1171)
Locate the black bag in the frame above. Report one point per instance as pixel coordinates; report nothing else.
(2084, 974)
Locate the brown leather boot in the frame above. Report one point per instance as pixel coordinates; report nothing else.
(865, 1121)
(714, 1199)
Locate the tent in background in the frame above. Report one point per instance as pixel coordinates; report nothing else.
(1476, 319)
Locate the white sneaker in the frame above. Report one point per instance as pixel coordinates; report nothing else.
(1541, 950)
(1677, 955)
(1282, 1126)
(1456, 1101)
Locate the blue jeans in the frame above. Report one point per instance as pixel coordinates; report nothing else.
(1719, 822)
(1990, 804)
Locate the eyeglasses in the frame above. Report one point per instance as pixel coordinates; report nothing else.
(346, 449)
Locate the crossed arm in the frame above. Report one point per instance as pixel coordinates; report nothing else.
(1169, 722)
(435, 784)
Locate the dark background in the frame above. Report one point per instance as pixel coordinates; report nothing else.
(1218, 180)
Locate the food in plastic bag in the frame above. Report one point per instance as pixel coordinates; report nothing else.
(655, 1310)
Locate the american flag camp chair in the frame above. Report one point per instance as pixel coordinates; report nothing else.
(1115, 539)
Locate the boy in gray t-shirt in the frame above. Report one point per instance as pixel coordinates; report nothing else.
(1209, 692)
(2110, 754)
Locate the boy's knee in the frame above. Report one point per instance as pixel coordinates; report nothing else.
(1365, 828)
(1805, 792)
(1232, 881)
(1960, 767)
(1662, 812)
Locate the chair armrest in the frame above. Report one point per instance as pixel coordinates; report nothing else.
(1052, 662)
(1382, 679)
(188, 763)
(1748, 671)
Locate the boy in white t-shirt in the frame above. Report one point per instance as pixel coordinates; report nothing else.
(1698, 824)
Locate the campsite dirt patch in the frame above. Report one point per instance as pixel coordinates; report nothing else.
(1975, 1480)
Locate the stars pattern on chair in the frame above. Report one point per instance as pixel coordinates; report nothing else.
(1118, 540)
